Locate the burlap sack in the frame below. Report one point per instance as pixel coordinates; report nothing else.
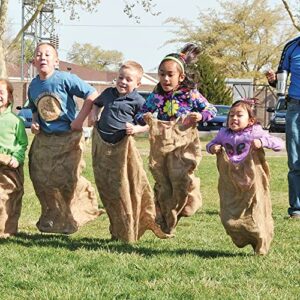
(11, 192)
(245, 204)
(67, 199)
(124, 189)
(175, 153)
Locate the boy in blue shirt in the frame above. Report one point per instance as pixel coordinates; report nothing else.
(68, 200)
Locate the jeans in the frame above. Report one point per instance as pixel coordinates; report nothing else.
(293, 151)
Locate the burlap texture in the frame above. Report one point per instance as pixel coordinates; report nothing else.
(175, 153)
(67, 199)
(124, 189)
(245, 203)
(11, 192)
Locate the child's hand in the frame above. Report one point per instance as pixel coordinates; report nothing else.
(195, 117)
(192, 119)
(13, 163)
(76, 125)
(35, 128)
(130, 129)
(256, 144)
(216, 148)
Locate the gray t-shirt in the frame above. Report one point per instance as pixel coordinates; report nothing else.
(117, 111)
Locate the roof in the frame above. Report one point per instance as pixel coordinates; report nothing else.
(85, 73)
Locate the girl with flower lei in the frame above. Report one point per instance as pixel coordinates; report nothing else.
(174, 137)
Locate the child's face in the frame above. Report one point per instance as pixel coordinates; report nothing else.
(169, 75)
(45, 60)
(127, 81)
(5, 98)
(238, 118)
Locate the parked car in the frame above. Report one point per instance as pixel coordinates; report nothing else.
(25, 113)
(277, 121)
(218, 121)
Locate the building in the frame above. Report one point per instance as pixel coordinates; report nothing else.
(99, 79)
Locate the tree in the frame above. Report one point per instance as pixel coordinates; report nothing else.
(211, 83)
(294, 18)
(244, 38)
(68, 6)
(94, 57)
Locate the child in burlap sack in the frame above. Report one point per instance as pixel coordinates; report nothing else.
(174, 139)
(13, 144)
(118, 167)
(68, 200)
(245, 204)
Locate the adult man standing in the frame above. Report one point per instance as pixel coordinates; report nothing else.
(290, 62)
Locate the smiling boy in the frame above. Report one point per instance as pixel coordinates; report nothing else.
(118, 168)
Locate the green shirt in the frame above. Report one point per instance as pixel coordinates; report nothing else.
(13, 138)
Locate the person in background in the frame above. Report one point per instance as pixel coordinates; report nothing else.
(290, 62)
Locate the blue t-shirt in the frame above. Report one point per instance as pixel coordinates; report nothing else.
(117, 111)
(57, 93)
(290, 61)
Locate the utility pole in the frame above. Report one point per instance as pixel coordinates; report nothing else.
(42, 29)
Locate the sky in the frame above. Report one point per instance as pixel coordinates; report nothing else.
(110, 29)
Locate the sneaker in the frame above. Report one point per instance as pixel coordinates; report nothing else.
(295, 216)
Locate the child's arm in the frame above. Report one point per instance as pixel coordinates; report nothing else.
(201, 104)
(215, 146)
(77, 124)
(95, 114)
(133, 129)
(264, 139)
(35, 126)
(149, 107)
(18, 156)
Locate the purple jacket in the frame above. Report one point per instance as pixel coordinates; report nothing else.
(237, 144)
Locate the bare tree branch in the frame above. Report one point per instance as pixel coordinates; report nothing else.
(293, 19)
(30, 21)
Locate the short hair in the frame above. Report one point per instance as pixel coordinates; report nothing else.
(46, 43)
(9, 87)
(131, 64)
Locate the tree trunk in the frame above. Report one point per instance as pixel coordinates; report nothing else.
(3, 72)
(3, 16)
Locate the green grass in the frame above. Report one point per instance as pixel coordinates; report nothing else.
(201, 262)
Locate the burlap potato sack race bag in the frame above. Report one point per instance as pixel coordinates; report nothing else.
(11, 192)
(175, 153)
(245, 203)
(124, 189)
(67, 199)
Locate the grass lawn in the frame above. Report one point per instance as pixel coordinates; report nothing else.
(201, 262)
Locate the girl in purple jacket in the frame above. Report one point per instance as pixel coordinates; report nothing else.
(241, 133)
(243, 185)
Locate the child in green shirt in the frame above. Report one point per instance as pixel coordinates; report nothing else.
(13, 144)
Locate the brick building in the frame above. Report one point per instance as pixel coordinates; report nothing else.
(99, 79)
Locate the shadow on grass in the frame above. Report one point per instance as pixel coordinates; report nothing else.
(211, 212)
(72, 244)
